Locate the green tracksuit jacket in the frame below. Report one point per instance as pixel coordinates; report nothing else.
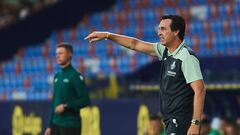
(70, 89)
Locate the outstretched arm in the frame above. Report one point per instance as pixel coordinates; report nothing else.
(126, 41)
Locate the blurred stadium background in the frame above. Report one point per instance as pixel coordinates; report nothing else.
(123, 84)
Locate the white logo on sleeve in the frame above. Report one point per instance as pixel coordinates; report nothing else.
(55, 80)
(81, 77)
(65, 80)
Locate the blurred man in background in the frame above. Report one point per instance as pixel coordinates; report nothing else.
(226, 126)
(156, 125)
(70, 95)
(182, 87)
(205, 127)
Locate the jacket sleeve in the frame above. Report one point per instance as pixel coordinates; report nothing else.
(52, 106)
(51, 116)
(82, 99)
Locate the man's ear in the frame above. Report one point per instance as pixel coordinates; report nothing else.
(176, 32)
(70, 54)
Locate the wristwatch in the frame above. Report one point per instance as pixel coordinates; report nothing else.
(196, 122)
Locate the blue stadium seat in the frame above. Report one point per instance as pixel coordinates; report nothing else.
(157, 3)
(169, 10)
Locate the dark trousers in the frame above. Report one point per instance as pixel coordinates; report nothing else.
(177, 126)
(58, 130)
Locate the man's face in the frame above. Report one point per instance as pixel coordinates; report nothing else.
(165, 33)
(63, 57)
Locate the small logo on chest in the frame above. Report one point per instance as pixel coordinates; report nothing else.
(173, 66)
(65, 80)
(172, 72)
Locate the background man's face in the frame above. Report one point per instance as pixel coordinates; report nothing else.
(62, 56)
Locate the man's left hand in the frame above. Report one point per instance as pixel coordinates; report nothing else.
(194, 130)
(60, 108)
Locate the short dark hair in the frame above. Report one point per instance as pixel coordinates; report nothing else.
(67, 46)
(155, 117)
(178, 23)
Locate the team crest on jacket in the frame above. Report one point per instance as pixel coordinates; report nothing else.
(173, 65)
(65, 80)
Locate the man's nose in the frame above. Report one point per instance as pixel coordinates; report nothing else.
(159, 33)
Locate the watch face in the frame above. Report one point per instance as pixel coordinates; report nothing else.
(196, 122)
